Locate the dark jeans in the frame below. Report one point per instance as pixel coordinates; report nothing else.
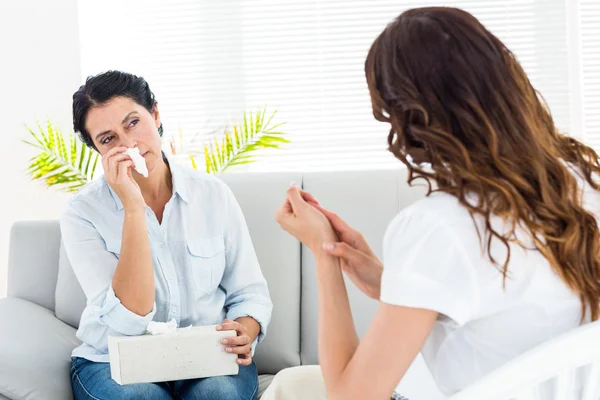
(91, 380)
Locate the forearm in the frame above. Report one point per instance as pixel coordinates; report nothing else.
(337, 335)
(133, 281)
(252, 327)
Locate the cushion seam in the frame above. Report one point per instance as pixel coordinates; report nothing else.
(10, 394)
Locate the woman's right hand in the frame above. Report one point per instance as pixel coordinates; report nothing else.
(117, 172)
(357, 259)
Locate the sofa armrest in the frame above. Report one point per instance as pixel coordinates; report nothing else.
(35, 352)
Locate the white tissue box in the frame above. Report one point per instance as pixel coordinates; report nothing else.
(193, 352)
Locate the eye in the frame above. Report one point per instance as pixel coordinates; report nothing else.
(107, 140)
(133, 122)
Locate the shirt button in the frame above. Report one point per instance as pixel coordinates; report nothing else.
(174, 309)
(161, 244)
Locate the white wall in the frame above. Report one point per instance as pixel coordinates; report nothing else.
(39, 71)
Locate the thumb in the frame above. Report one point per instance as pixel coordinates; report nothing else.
(343, 250)
(295, 197)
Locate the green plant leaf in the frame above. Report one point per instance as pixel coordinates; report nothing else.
(251, 125)
(229, 145)
(93, 170)
(82, 156)
(245, 131)
(273, 139)
(193, 161)
(239, 162)
(272, 128)
(60, 141)
(257, 122)
(215, 161)
(50, 135)
(219, 153)
(32, 144)
(271, 118)
(36, 137)
(240, 144)
(61, 159)
(262, 118)
(237, 137)
(207, 159)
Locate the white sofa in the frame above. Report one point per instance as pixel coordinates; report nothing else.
(44, 303)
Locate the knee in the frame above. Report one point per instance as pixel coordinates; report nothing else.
(217, 388)
(298, 378)
(142, 391)
(221, 388)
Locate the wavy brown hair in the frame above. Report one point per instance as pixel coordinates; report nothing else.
(459, 101)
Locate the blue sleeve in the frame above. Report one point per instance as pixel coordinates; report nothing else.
(94, 266)
(247, 291)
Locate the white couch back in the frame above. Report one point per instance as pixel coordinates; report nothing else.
(40, 272)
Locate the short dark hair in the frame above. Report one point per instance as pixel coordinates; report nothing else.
(100, 89)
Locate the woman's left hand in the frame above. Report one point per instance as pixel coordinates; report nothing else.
(299, 218)
(240, 345)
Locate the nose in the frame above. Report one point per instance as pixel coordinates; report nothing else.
(128, 142)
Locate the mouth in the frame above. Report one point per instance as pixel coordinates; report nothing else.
(145, 154)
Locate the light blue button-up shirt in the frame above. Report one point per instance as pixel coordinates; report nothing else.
(205, 267)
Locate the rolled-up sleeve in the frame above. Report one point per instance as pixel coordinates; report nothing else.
(246, 287)
(94, 266)
(109, 311)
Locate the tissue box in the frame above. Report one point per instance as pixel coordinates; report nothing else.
(186, 353)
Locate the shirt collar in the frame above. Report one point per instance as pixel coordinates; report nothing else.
(177, 178)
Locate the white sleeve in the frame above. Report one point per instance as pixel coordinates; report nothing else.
(425, 266)
(94, 266)
(243, 280)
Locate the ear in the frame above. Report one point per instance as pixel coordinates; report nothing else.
(156, 115)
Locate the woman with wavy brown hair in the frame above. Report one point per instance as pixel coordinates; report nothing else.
(502, 254)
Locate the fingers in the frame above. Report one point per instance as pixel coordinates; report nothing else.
(283, 211)
(240, 345)
(237, 340)
(336, 222)
(109, 154)
(295, 198)
(124, 169)
(244, 359)
(229, 325)
(344, 251)
(113, 163)
(286, 208)
(114, 151)
(309, 198)
(246, 349)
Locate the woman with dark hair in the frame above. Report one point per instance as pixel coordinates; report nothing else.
(503, 253)
(172, 245)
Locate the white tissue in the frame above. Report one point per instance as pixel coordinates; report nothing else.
(138, 161)
(158, 328)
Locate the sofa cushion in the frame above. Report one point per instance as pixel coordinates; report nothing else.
(33, 261)
(36, 352)
(279, 257)
(69, 297)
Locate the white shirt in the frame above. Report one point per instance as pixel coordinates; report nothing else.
(433, 259)
(205, 267)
